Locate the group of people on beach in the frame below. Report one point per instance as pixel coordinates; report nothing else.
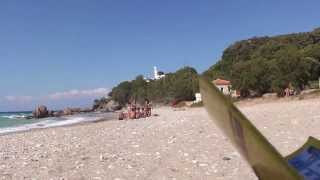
(136, 112)
(289, 92)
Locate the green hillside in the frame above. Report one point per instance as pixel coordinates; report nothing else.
(180, 85)
(270, 64)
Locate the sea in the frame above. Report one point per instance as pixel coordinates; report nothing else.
(11, 122)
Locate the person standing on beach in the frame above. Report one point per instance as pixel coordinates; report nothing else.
(133, 111)
(147, 107)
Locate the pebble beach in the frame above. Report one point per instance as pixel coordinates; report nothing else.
(179, 144)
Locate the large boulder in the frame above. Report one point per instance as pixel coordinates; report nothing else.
(110, 106)
(67, 112)
(113, 106)
(86, 110)
(58, 113)
(76, 110)
(41, 112)
(50, 113)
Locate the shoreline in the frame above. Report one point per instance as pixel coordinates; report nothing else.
(40, 128)
(245, 103)
(174, 145)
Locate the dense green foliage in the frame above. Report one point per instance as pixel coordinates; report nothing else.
(254, 66)
(181, 85)
(270, 64)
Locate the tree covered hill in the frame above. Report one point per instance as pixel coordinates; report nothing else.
(180, 85)
(255, 66)
(270, 64)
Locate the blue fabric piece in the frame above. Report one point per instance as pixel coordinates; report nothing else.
(307, 163)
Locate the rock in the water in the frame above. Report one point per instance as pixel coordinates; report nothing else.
(50, 113)
(58, 113)
(41, 112)
(76, 110)
(67, 111)
(29, 117)
(86, 110)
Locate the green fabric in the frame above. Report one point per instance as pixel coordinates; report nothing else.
(264, 159)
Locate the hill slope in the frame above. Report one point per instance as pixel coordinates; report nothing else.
(270, 64)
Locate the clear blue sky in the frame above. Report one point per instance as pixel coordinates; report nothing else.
(49, 46)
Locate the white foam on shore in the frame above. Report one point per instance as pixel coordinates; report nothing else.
(15, 116)
(49, 122)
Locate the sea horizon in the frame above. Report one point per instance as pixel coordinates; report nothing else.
(24, 111)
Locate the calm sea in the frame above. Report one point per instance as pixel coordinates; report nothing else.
(16, 121)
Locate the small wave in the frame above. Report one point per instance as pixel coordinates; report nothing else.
(15, 116)
(66, 122)
(48, 122)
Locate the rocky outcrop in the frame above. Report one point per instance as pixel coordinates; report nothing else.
(67, 112)
(86, 110)
(57, 113)
(41, 112)
(76, 110)
(109, 106)
(113, 106)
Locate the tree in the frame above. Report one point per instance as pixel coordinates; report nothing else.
(181, 85)
(122, 92)
(270, 64)
(186, 84)
(138, 89)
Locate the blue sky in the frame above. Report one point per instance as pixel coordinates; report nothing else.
(66, 53)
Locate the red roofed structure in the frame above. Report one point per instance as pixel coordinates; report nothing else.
(223, 85)
(221, 82)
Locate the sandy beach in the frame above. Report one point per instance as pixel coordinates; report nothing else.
(177, 144)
